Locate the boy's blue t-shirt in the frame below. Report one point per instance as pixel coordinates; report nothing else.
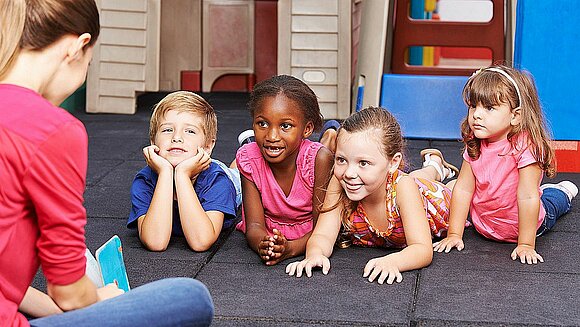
(214, 190)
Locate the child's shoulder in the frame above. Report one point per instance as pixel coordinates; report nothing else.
(249, 151)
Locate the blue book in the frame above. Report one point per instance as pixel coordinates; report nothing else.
(110, 260)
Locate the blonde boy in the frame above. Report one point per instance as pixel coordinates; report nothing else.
(181, 191)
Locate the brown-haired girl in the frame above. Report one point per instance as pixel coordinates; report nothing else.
(45, 50)
(378, 204)
(507, 150)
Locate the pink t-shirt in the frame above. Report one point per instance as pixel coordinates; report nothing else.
(43, 163)
(494, 206)
(291, 215)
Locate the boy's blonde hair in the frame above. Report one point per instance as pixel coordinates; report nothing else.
(185, 101)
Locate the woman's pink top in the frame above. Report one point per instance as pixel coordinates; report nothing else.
(494, 206)
(292, 214)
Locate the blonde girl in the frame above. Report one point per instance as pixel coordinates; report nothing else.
(377, 203)
(507, 151)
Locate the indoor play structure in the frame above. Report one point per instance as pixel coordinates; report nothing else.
(410, 56)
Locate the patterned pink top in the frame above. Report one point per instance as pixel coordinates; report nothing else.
(436, 201)
(291, 215)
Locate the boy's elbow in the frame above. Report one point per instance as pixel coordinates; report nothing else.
(155, 245)
(199, 245)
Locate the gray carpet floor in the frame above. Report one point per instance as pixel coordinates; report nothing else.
(479, 286)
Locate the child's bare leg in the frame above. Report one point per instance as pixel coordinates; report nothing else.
(428, 172)
(434, 166)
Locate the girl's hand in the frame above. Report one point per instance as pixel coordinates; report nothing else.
(194, 165)
(448, 243)
(155, 161)
(527, 254)
(307, 264)
(108, 291)
(263, 248)
(385, 267)
(277, 248)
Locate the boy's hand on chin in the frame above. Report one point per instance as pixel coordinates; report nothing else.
(154, 160)
(194, 165)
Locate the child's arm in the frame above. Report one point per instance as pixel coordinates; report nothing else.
(256, 231)
(419, 252)
(528, 212)
(460, 202)
(155, 226)
(321, 243)
(38, 304)
(282, 249)
(201, 228)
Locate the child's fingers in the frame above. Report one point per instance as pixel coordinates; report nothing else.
(394, 275)
(384, 275)
(309, 265)
(368, 267)
(325, 265)
(436, 245)
(278, 248)
(291, 268)
(374, 273)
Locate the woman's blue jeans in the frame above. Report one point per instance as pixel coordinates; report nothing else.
(167, 302)
(556, 204)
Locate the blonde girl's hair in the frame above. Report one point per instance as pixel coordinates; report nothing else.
(185, 101)
(36, 24)
(488, 87)
(381, 126)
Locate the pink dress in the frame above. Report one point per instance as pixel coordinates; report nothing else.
(494, 206)
(292, 215)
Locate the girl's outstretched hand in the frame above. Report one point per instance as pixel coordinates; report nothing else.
(307, 264)
(448, 243)
(527, 254)
(383, 267)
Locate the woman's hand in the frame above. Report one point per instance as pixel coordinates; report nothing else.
(448, 243)
(383, 267)
(527, 254)
(307, 264)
